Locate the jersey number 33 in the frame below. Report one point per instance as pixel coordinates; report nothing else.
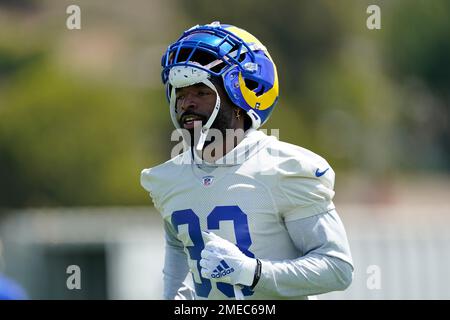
(219, 213)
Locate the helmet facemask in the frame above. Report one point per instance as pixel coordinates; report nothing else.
(236, 57)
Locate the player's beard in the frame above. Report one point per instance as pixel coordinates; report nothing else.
(222, 122)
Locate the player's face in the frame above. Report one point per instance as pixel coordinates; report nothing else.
(196, 103)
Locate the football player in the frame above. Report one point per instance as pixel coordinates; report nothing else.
(254, 216)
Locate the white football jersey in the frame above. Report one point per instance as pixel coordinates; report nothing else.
(245, 197)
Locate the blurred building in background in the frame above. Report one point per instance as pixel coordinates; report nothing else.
(119, 252)
(83, 111)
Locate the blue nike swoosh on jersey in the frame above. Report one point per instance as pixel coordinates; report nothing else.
(321, 173)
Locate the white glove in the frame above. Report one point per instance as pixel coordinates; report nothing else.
(223, 261)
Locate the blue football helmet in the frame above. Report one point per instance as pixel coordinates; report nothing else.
(248, 72)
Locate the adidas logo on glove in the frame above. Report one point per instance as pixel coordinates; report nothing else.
(222, 270)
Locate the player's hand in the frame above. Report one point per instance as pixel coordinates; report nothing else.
(223, 261)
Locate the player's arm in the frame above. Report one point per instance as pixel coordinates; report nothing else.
(304, 200)
(326, 263)
(175, 268)
(303, 194)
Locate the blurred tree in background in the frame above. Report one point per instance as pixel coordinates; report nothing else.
(367, 100)
(82, 112)
(417, 56)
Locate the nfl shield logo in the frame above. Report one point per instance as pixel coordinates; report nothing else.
(207, 180)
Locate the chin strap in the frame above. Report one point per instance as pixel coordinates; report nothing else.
(212, 117)
(208, 124)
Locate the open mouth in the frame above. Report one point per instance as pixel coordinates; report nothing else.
(190, 121)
